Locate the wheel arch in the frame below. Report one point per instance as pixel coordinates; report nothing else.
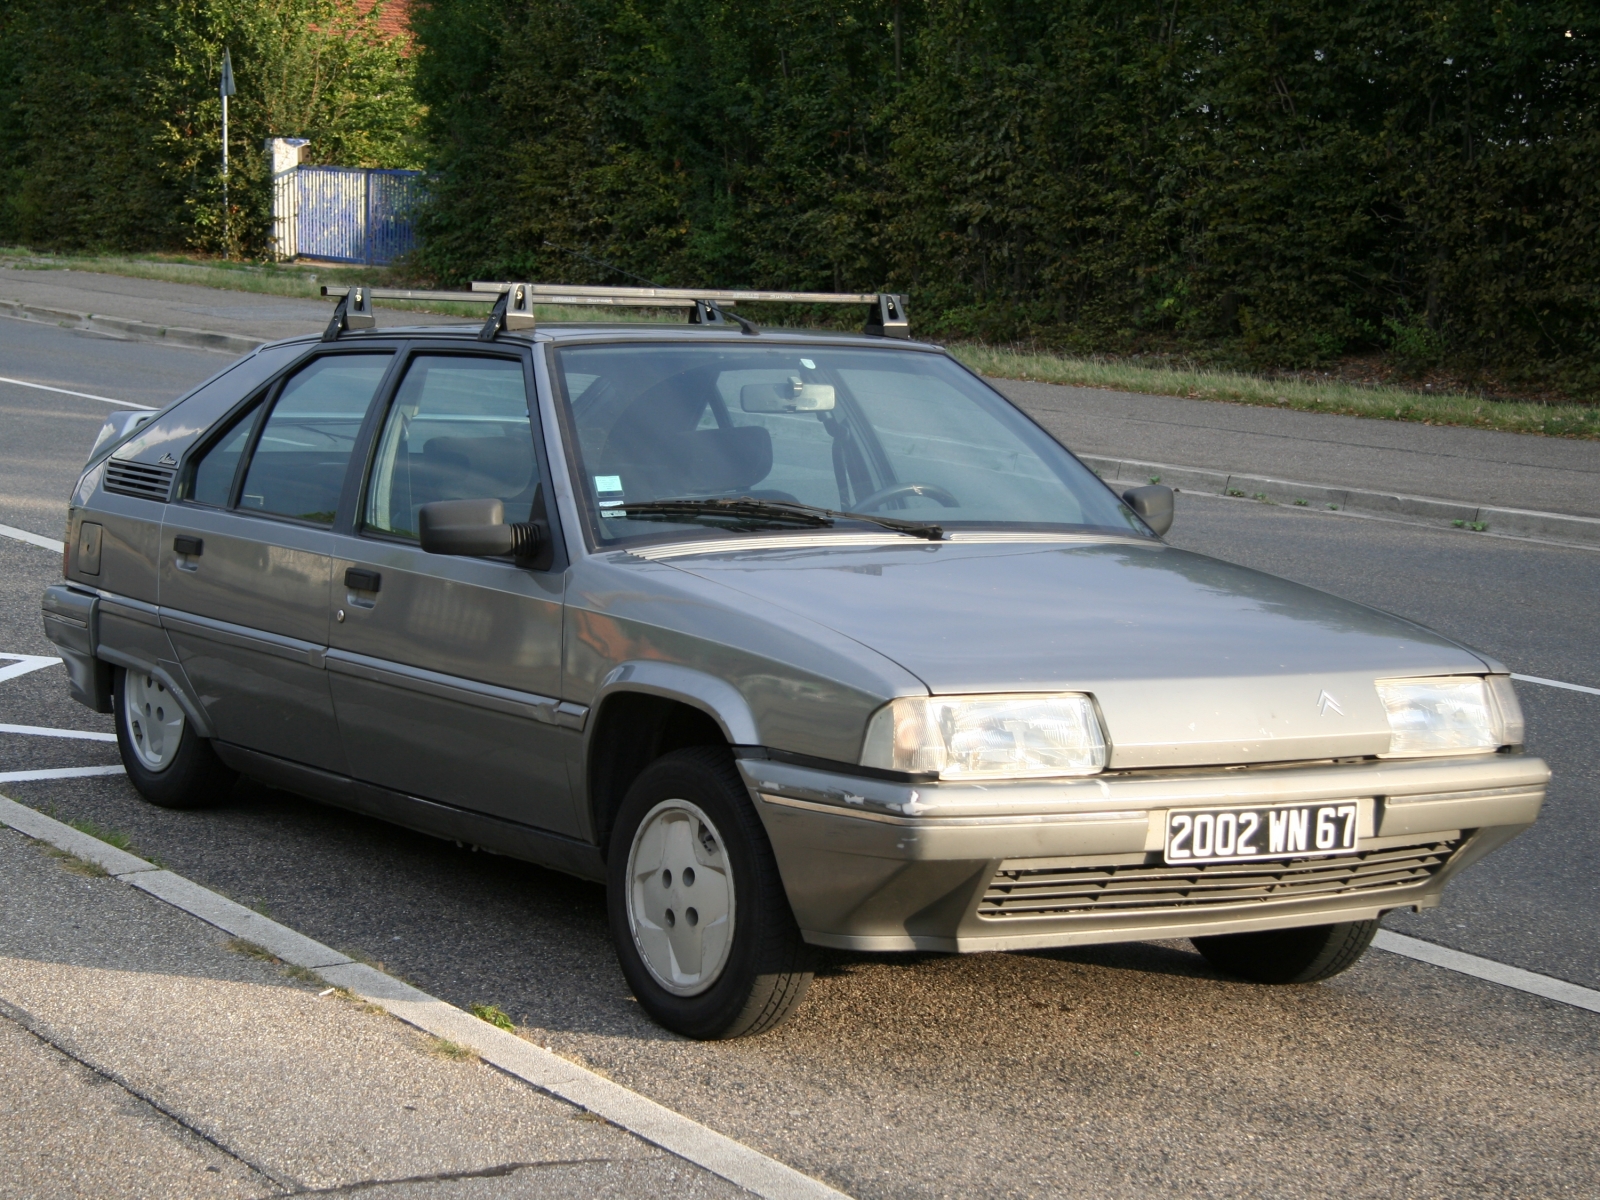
(192, 710)
(644, 710)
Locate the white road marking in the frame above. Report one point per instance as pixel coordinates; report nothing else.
(44, 387)
(26, 663)
(43, 731)
(549, 1072)
(1486, 968)
(59, 773)
(1556, 683)
(33, 539)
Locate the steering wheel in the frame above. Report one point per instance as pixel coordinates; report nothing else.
(896, 491)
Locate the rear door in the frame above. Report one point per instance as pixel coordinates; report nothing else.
(446, 671)
(245, 557)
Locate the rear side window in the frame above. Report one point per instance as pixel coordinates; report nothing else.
(458, 430)
(298, 466)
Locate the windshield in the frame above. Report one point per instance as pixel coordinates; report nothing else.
(890, 433)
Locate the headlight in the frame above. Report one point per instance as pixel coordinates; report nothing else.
(986, 737)
(1452, 714)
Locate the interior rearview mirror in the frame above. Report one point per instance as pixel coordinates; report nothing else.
(473, 527)
(1154, 504)
(791, 396)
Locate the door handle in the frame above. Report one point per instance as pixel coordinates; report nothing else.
(358, 579)
(191, 546)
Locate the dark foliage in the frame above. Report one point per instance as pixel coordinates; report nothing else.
(1275, 183)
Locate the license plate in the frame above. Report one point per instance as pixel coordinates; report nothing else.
(1280, 831)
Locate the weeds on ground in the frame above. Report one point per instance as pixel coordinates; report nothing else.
(261, 954)
(71, 862)
(445, 1048)
(493, 1014)
(111, 837)
(252, 950)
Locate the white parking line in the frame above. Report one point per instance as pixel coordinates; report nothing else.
(1487, 968)
(43, 731)
(26, 663)
(33, 539)
(59, 773)
(44, 387)
(1556, 683)
(549, 1072)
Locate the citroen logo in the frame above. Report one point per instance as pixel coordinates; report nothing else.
(1326, 703)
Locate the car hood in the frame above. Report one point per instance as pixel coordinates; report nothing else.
(1191, 660)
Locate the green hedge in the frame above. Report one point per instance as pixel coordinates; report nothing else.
(110, 118)
(1271, 183)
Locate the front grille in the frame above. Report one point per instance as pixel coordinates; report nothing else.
(1155, 887)
(139, 479)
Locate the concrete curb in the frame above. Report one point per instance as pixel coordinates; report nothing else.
(199, 339)
(549, 1072)
(1510, 522)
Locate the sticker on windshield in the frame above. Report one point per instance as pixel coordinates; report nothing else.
(609, 490)
(808, 364)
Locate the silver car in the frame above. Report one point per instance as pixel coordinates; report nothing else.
(792, 639)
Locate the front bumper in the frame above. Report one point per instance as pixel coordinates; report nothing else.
(874, 865)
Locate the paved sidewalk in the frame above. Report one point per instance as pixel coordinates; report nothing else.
(244, 314)
(141, 1057)
(1477, 466)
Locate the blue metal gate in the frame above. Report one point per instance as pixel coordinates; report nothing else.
(353, 214)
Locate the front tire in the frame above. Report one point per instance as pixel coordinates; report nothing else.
(702, 927)
(167, 762)
(1306, 955)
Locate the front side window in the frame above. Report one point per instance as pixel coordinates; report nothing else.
(298, 466)
(458, 430)
(901, 434)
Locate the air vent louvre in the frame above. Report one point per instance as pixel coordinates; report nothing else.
(139, 479)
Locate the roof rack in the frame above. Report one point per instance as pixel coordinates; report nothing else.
(513, 304)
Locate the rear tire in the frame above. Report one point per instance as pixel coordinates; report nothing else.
(167, 762)
(1306, 955)
(741, 967)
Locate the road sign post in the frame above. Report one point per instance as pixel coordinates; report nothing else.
(227, 90)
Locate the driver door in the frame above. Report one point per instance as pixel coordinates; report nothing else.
(446, 671)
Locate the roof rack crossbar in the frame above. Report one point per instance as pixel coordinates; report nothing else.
(679, 297)
(886, 314)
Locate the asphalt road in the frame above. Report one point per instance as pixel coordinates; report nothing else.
(1107, 1071)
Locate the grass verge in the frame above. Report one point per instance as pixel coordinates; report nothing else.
(1384, 403)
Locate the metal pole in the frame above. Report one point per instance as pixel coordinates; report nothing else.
(226, 88)
(227, 250)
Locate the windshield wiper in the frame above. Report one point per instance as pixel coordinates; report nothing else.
(749, 508)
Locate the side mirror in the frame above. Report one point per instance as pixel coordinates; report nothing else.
(792, 396)
(473, 527)
(1153, 503)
